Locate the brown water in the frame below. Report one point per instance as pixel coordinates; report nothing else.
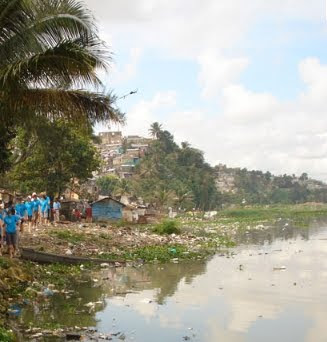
(235, 296)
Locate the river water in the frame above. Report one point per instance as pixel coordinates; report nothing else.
(272, 287)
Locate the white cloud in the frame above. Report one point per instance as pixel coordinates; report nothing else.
(217, 71)
(189, 27)
(247, 107)
(144, 113)
(128, 71)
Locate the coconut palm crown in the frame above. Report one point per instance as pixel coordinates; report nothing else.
(49, 55)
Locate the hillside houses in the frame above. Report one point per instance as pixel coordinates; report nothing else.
(120, 154)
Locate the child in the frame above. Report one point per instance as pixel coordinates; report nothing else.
(20, 211)
(44, 210)
(1, 232)
(36, 202)
(29, 208)
(11, 221)
(77, 215)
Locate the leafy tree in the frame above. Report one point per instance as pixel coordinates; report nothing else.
(108, 184)
(174, 176)
(123, 188)
(304, 176)
(62, 156)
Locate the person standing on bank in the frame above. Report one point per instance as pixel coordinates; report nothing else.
(44, 210)
(20, 211)
(36, 207)
(56, 209)
(29, 208)
(11, 221)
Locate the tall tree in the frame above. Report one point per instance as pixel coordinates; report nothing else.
(155, 130)
(61, 157)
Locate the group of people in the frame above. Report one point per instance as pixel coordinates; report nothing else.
(34, 210)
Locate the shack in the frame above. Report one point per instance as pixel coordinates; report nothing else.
(67, 207)
(106, 209)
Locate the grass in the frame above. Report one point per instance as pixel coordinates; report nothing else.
(300, 215)
(167, 227)
(162, 253)
(273, 212)
(69, 236)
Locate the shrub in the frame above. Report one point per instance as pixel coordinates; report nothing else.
(167, 227)
(6, 336)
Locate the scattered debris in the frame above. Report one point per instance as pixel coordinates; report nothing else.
(280, 268)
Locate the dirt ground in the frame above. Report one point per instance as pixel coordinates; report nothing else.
(97, 239)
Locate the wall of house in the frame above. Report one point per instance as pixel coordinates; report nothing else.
(107, 210)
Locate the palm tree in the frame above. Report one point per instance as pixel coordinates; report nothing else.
(185, 145)
(163, 197)
(123, 188)
(49, 55)
(155, 130)
(183, 195)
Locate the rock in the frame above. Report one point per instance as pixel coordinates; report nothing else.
(89, 305)
(73, 337)
(104, 265)
(37, 335)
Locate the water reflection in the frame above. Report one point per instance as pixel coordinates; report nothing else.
(236, 297)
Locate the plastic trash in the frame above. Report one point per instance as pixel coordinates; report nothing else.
(47, 292)
(14, 310)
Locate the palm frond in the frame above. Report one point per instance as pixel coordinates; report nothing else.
(70, 104)
(69, 63)
(48, 49)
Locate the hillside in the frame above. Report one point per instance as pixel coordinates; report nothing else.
(256, 187)
(165, 174)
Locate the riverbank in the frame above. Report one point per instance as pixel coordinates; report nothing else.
(23, 283)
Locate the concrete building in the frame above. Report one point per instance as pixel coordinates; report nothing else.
(111, 138)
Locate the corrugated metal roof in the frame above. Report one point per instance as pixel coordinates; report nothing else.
(110, 198)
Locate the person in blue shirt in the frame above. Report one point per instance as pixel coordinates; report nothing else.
(11, 221)
(45, 210)
(29, 209)
(21, 211)
(37, 204)
(1, 232)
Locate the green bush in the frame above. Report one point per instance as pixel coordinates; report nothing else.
(167, 227)
(6, 336)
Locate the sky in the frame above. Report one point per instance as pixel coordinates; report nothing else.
(244, 81)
